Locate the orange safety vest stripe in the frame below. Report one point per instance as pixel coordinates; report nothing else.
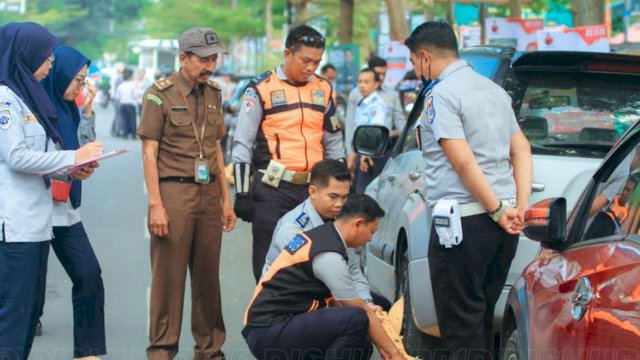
(293, 120)
(285, 259)
(621, 211)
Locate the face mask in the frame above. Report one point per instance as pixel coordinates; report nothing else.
(425, 81)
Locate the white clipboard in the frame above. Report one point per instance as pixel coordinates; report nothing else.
(72, 168)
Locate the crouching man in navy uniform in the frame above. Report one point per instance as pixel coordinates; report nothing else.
(306, 304)
(328, 190)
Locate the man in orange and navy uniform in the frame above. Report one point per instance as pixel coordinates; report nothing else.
(286, 124)
(619, 208)
(306, 306)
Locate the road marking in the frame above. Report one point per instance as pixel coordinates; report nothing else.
(146, 228)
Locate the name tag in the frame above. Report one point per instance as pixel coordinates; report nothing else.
(179, 108)
(295, 244)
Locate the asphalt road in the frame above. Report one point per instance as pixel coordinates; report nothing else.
(114, 210)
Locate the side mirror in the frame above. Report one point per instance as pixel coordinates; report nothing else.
(546, 222)
(371, 140)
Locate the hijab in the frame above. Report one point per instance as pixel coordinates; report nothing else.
(24, 47)
(68, 61)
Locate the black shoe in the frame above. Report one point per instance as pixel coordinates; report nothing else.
(38, 331)
(219, 355)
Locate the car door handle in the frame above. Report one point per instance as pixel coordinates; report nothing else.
(414, 175)
(392, 176)
(537, 187)
(581, 298)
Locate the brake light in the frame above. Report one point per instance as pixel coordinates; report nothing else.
(614, 67)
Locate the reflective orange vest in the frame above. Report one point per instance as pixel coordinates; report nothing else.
(293, 122)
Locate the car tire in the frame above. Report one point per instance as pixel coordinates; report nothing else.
(416, 343)
(512, 349)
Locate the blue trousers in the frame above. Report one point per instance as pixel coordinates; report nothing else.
(328, 333)
(72, 247)
(23, 273)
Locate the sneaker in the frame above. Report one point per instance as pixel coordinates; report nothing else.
(38, 328)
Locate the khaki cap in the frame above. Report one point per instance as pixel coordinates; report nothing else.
(201, 41)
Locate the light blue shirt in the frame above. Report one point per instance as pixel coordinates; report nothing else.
(63, 213)
(304, 217)
(371, 110)
(26, 205)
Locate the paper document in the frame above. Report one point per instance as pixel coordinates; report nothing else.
(72, 168)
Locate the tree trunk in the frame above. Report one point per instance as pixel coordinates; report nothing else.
(483, 19)
(516, 8)
(397, 21)
(588, 12)
(299, 12)
(268, 21)
(428, 10)
(345, 30)
(451, 18)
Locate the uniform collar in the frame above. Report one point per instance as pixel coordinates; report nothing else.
(339, 234)
(453, 67)
(369, 99)
(313, 214)
(282, 76)
(185, 85)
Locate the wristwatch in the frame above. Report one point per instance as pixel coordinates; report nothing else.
(368, 301)
(497, 213)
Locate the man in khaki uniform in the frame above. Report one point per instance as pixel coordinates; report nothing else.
(189, 204)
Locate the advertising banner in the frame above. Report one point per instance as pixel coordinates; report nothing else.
(469, 36)
(519, 33)
(585, 38)
(346, 59)
(397, 56)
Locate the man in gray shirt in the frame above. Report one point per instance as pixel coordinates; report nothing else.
(476, 154)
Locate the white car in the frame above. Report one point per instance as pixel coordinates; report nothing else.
(543, 85)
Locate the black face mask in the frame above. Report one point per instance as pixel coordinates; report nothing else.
(425, 81)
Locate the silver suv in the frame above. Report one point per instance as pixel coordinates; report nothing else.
(571, 106)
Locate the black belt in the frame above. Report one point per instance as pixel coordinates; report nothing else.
(185, 179)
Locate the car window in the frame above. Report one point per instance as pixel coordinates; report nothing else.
(615, 207)
(574, 114)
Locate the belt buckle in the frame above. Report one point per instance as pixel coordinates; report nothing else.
(300, 177)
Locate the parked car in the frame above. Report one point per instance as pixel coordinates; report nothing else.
(580, 298)
(572, 107)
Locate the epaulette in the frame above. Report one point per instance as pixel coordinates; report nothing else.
(260, 78)
(161, 85)
(214, 84)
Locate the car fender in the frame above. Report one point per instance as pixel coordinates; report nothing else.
(516, 315)
(418, 225)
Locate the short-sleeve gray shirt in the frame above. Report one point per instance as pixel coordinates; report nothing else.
(465, 105)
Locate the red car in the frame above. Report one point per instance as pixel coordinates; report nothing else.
(580, 298)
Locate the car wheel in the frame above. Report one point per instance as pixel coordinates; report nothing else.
(416, 343)
(512, 350)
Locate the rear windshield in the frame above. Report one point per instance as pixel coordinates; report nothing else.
(574, 114)
(485, 65)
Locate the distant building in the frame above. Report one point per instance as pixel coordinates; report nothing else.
(19, 6)
(158, 56)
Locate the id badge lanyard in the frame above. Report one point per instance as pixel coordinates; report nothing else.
(200, 138)
(201, 164)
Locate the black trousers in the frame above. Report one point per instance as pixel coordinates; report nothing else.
(328, 333)
(72, 247)
(467, 281)
(364, 178)
(269, 205)
(23, 274)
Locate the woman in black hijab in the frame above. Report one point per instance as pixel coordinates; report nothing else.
(28, 133)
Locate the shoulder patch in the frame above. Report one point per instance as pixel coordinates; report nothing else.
(260, 78)
(429, 109)
(214, 84)
(295, 244)
(5, 119)
(302, 220)
(154, 98)
(161, 85)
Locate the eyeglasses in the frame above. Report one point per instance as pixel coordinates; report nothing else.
(309, 40)
(51, 58)
(81, 82)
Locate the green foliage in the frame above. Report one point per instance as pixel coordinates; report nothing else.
(169, 18)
